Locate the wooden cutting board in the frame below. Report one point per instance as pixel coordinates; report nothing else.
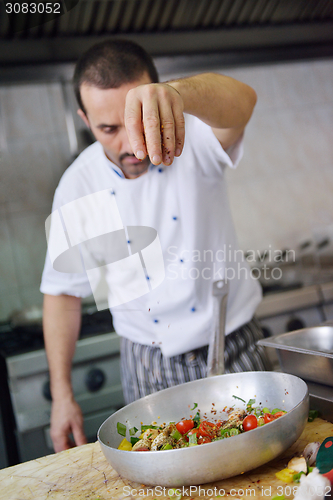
(83, 473)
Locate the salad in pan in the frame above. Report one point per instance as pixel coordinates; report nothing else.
(196, 431)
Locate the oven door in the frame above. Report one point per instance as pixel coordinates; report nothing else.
(96, 385)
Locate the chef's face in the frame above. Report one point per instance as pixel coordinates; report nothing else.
(105, 118)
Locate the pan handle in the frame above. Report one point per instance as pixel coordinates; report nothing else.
(215, 359)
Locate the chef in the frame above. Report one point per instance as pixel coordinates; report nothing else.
(157, 171)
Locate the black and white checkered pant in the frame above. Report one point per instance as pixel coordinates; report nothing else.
(144, 369)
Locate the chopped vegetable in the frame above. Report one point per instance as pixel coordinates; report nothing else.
(240, 399)
(258, 411)
(233, 432)
(312, 415)
(297, 476)
(125, 445)
(195, 406)
(298, 464)
(226, 433)
(261, 421)
(204, 439)
(196, 419)
(207, 429)
(192, 439)
(145, 427)
(279, 414)
(121, 429)
(279, 497)
(268, 417)
(276, 410)
(193, 431)
(167, 446)
(249, 405)
(286, 475)
(176, 435)
(197, 431)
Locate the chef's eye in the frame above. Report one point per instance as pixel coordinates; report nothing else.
(110, 130)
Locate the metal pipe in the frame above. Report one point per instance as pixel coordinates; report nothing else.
(215, 360)
(71, 131)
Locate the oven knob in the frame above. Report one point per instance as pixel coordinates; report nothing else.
(295, 324)
(47, 391)
(95, 379)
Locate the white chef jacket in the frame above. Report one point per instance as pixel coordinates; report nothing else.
(187, 204)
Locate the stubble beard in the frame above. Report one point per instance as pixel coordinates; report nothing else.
(134, 170)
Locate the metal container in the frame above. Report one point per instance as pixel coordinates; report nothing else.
(220, 459)
(307, 353)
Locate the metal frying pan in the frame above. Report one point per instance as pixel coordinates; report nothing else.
(220, 459)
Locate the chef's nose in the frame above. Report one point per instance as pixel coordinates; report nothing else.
(125, 144)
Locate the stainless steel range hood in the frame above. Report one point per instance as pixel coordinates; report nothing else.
(168, 27)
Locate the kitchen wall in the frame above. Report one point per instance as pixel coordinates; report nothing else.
(34, 154)
(281, 193)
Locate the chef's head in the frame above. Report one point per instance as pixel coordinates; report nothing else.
(103, 76)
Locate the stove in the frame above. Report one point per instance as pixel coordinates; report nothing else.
(20, 338)
(25, 398)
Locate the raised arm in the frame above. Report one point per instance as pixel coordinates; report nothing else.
(61, 325)
(154, 113)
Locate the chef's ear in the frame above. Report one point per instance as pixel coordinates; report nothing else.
(84, 117)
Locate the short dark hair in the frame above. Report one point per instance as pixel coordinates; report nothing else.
(110, 64)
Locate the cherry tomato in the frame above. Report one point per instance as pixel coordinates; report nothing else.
(193, 431)
(279, 414)
(204, 439)
(250, 422)
(184, 426)
(268, 417)
(207, 429)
